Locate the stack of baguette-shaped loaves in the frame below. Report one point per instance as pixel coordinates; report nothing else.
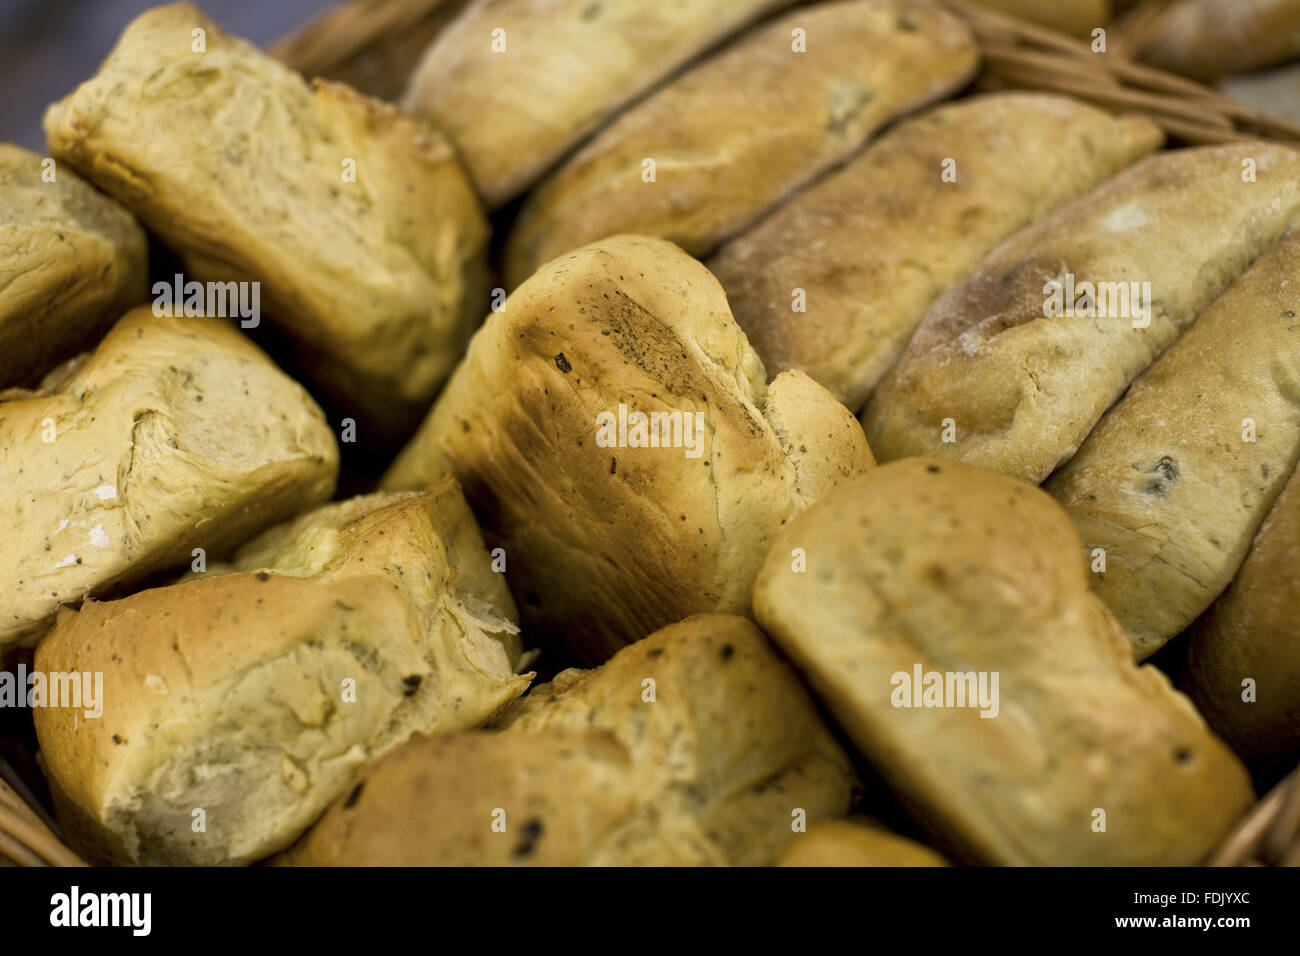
(734, 434)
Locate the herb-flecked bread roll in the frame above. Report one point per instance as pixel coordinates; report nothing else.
(842, 843)
(1174, 481)
(358, 220)
(1209, 38)
(1012, 368)
(256, 696)
(516, 100)
(929, 200)
(175, 434)
(695, 746)
(944, 617)
(745, 128)
(71, 262)
(1243, 655)
(615, 525)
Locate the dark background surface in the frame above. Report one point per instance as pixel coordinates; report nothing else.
(47, 47)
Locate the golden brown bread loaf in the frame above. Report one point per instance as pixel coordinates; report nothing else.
(1209, 38)
(1039, 741)
(1175, 479)
(256, 696)
(1015, 380)
(243, 167)
(175, 434)
(697, 745)
(1075, 17)
(616, 526)
(1252, 633)
(1017, 157)
(71, 262)
(851, 843)
(745, 128)
(514, 102)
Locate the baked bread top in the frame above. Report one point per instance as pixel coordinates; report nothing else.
(243, 167)
(607, 536)
(174, 434)
(71, 262)
(256, 695)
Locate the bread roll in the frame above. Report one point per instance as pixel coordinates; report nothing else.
(256, 696)
(1252, 633)
(1011, 377)
(515, 101)
(244, 168)
(1174, 481)
(1208, 38)
(845, 843)
(873, 245)
(175, 434)
(608, 537)
(1076, 17)
(1074, 755)
(71, 262)
(745, 128)
(695, 746)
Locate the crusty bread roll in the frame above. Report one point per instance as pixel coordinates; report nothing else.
(515, 101)
(745, 128)
(243, 167)
(256, 696)
(928, 567)
(1174, 481)
(848, 843)
(177, 433)
(1252, 632)
(1015, 381)
(1209, 38)
(697, 745)
(1075, 17)
(607, 540)
(1017, 157)
(71, 262)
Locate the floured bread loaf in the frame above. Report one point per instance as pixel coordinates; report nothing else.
(357, 220)
(175, 434)
(71, 262)
(745, 128)
(516, 100)
(256, 696)
(697, 745)
(945, 619)
(1209, 38)
(1243, 656)
(850, 843)
(615, 525)
(1174, 481)
(1014, 157)
(1012, 368)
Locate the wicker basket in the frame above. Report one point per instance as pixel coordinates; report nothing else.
(375, 44)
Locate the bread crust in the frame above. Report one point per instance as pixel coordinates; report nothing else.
(947, 567)
(239, 164)
(73, 262)
(175, 434)
(746, 128)
(1018, 156)
(1022, 388)
(228, 692)
(843, 843)
(1207, 39)
(605, 544)
(659, 757)
(1167, 484)
(567, 66)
